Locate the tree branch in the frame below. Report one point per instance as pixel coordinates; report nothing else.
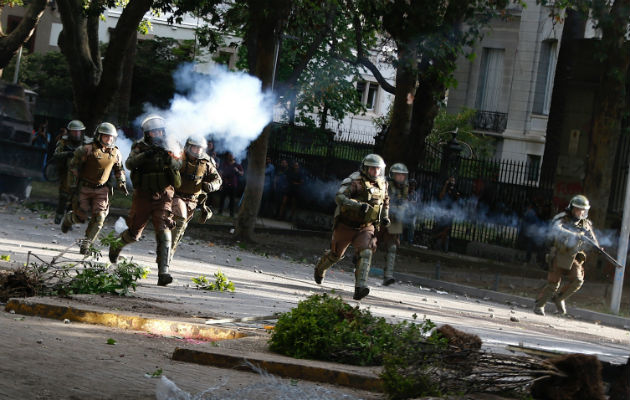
(10, 43)
(120, 38)
(365, 61)
(388, 87)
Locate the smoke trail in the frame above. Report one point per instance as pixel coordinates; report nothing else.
(229, 106)
(124, 145)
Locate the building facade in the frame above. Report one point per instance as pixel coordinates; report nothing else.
(510, 80)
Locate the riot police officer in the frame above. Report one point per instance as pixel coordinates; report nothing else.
(155, 175)
(90, 168)
(362, 206)
(567, 256)
(199, 178)
(398, 200)
(64, 151)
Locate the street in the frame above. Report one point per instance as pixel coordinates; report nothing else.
(267, 285)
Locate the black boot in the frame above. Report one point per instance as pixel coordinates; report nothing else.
(360, 292)
(164, 279)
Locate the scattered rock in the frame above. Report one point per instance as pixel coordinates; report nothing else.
(66, 321)
(39, 341)
(491, 309)
(514, 319)
(491, 315)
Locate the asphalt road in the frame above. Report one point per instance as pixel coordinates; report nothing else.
(267, 285)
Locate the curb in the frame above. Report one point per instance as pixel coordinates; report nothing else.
(285, 367)
(122, 321)
(579, 313)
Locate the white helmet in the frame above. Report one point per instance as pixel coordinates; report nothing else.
(192, 141)
(106, 128)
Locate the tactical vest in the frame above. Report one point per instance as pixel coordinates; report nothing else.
(562, 252)
(98, 165)
(155, 173)
(371, 192)
(192, 173)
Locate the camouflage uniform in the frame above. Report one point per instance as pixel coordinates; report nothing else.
(390, 236)
(154, 175)
(362, 203)
(199, 179)
(566, 260)
(64, 151)
(90, 169)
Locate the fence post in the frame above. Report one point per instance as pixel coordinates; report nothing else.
(330, 147)
(451, 157)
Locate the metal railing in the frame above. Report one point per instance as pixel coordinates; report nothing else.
(491, 121)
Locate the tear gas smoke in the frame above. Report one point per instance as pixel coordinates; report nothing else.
(229, 106)
(124, 146)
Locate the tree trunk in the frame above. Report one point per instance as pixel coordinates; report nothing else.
(95, 82)
(431, 90)
(574, 27)
(262, 33)
(610, 107)
(10, 44)
(397, 137)
(323, 118)
(124, 94)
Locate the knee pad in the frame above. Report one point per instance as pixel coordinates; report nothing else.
(99, 217)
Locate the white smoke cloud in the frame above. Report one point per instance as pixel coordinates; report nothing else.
(229, 106)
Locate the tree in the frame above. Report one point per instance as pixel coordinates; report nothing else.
(47, 74)
(428, 36)
(10, 43)
(612, 19)
(156, 61)
(263, 26)
(302, 32)
(96, 77)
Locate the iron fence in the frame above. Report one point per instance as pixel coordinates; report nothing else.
(493, 194)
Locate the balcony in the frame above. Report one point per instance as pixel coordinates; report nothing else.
(490, 121)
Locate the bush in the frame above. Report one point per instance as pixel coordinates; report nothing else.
(221, 283)
(325, 328)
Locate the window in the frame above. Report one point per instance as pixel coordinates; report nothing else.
(544, 79)
(490, 85)
(533, 167)
(223, 58)
(368, 93)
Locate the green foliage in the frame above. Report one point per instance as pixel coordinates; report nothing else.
(103, 278)
(111, 341)
(156, 60)
(408, 366)
(47, 74)
(111, 240)
(481, 146)
(325, 328)
(221, 283)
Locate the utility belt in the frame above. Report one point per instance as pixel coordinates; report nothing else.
(351, 224)
(92, 185)
(187, 196)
